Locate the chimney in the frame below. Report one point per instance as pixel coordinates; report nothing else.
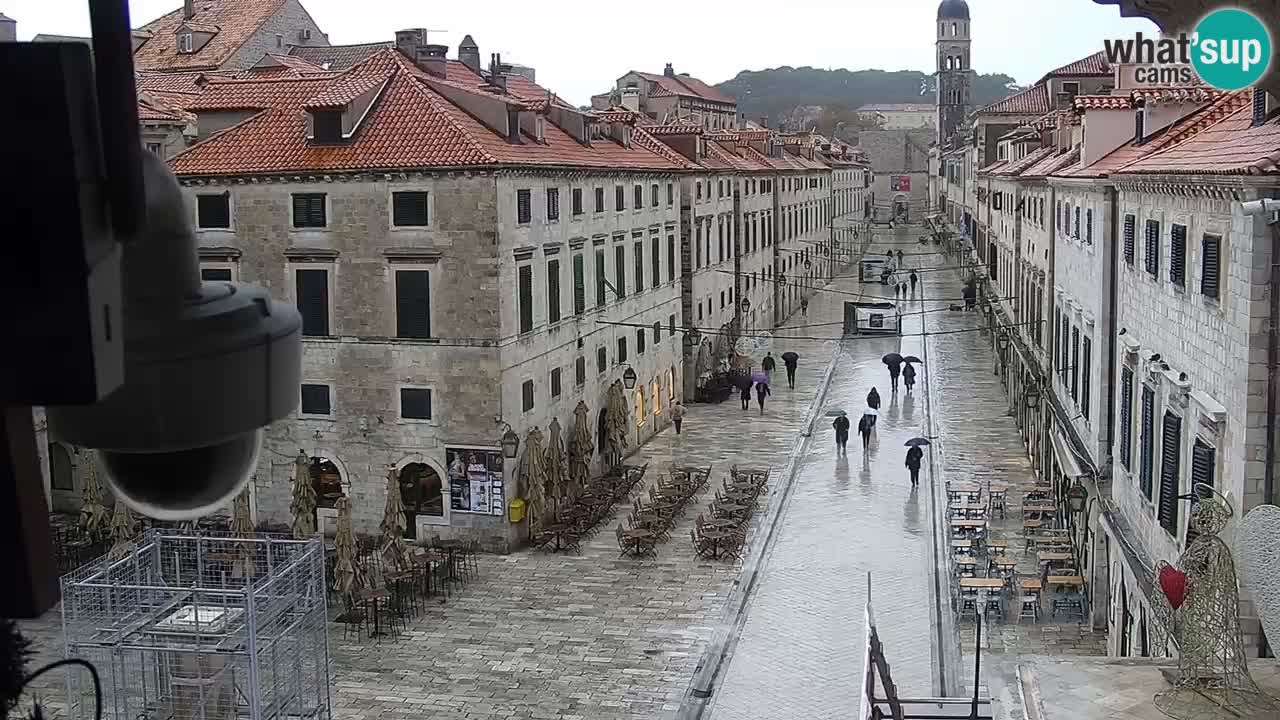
(764, 121)
(8, 29)
(1139, 124)
(469, 54)
(496, 78)
(408, 41)
(188, 9)
(1259, 106)
(669, 71)
(631, 98)
(433, 59)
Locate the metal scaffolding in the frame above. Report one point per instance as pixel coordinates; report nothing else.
(201, 627)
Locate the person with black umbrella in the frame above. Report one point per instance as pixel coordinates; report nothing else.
(914, 455)
(790, 360)
(841, 426)
(894, 361)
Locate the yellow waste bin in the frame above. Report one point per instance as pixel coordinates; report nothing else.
(515, 511)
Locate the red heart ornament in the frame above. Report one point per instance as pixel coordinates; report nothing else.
(1174, 584)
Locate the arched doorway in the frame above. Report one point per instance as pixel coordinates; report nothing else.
(640, 407)
(422, 490)
(901, 208)
(61, 472)
(329, 482)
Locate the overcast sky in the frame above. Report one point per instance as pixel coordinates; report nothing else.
(583, 48)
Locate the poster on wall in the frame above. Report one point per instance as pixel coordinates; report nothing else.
(900, 183)
(475, 480)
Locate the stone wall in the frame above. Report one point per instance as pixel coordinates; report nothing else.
(287, 22)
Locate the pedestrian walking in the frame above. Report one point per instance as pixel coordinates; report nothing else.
(746, 397)
(873, 399)
(895, 369)
(913, 282)
(908, 377)
(768, 364)
(913, 463)
(762, 392)
(904, 290)
(900, 262)
(864, 429)
(842, 432)
(790, 360)
(677, 415)
(804, 306)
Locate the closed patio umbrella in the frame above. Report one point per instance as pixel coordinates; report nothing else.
(533, 476)
(93, 510)
(122, 530)
(303, 504)
(618, 422)
(557, 463)
(242, 527)
(395, 556)
(345, 578)
(580, 449)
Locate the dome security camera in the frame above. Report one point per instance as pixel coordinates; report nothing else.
(207, 366)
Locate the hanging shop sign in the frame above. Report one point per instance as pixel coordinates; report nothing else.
(900, 183)
(476, 480)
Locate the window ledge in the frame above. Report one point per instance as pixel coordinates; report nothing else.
(413, 254)
(305, 254)
(224, 254)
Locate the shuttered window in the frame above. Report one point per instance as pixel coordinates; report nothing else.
(215, 274)
(1075, 364)
(555, 382)
(657, 332)
(413, 304)
(1088, 226)
(1178, 255)
(1066, 348)
(524, 206)
(415, 403)
(1076, 234)
(576, 201)
(580, 371)
(1086, 384)
(1130, 228)
(579, 285)
(213, 211)
(620, 270)
(1146, 450)
(315, 400)
(640, 341)
(553, 203)
(1210, 264)
(671, 325)
(655, 258)
(553, 291)
(1126, 418)
(671, 258)
(313, 301)
(602, 359)
(1151, 249)
(409, 209)
(653, 195)
(1203, 469)
(309, 210)
(526, 298)
(600, 279)
(526, 395)
(1170, 472)
(619, 198)
(599, 200)
(622, 350)
(671, 194)
(637, 250)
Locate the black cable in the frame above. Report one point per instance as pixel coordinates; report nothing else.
(785, 327)
(93, 672)
(845, 339)
(856, 294)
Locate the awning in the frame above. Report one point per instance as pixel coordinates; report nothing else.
(1066, 456)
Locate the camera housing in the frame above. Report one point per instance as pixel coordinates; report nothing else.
(207, 366)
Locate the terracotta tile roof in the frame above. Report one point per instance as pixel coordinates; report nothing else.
(1095, 65)
(1055, 119)
(640, 137)
(1103, 102)
(180, 82)
(683, 85)
(200, 27)
(1177, 95)
(993, 168)
(1051, 164)
(1232, 146)
(339, 57)
(1017, 166)
(153, 110)
(678, 128)
(302, 65)
(409, 126)
(346, 89)
(1032, 101)
(617, 114)
(235, 22)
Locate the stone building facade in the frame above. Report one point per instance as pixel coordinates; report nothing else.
(225, 35)
(671, 97)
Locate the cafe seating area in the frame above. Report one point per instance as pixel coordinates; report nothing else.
(721, 532)
(653, 516)
(1012, 557)
(580, 517)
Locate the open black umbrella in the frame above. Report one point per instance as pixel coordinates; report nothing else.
(913, 442)
(912, 359)
(892, 359)
(742, 381)
(790, 357)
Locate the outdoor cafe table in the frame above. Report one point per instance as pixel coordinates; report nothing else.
(965, 560)
(968, 506)
(1070, 580)
(962, 545)
(714, 537)
(740, 497)
(557, 532)
(1049, 556)
(982, 583)
(1004, 562)
(1031, 584)
(635, 535)
(1045, 509)
(970, 524)
(998, 545)
(731, 509)
(722, 522)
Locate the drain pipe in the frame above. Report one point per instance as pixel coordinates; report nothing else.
(1113, 331)
(1259, 208)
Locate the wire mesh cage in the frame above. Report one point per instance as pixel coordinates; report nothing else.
(201, 627)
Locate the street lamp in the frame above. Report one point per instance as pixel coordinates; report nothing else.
(745, 305)
(1003, 341)
(807, 264)
(1077, 496)
(510, 443)
(629, 378)
(694, 335)
(1032, 397)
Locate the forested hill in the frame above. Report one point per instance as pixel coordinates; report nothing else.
(777, 91)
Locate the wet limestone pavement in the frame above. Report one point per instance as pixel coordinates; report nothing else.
(799, 653)
(571, 636)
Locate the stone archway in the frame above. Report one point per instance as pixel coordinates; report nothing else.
(422, 489)
(901, 207)
(330, 480)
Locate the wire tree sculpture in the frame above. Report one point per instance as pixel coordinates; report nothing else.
(1200, 607)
